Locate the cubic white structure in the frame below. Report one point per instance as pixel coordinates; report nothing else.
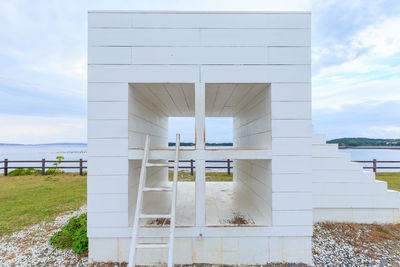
(144, 67)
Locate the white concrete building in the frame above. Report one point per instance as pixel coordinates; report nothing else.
(255, 67)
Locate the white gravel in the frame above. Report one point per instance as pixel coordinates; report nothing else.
(31, 247)
(333, 245)
(353, 245)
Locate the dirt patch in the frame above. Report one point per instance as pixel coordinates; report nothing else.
(371, 244)
(362, 235)
(238, 219)
(160, 221)
(124, 264)
(107, 264)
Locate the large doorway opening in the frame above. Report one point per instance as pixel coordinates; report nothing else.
(161, 110)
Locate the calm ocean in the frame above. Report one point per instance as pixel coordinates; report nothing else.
(75, 152)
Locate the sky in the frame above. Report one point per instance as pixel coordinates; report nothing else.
(355, 57)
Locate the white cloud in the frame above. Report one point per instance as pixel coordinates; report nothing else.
(383, 39)
(382, 132)
(370, 77)
(70, 68)
(41, 129)
(218, 5)
(339, 93)
(43, 50)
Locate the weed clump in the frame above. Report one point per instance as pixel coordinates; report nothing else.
(73, 235)
(19, 172)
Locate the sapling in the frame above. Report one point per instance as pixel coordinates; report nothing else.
(60, 158)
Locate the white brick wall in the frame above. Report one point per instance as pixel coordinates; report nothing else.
(127, 48)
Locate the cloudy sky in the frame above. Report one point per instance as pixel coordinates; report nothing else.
(356, 65)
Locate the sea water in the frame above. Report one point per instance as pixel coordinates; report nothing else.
(76, 152)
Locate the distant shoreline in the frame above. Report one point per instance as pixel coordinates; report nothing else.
(369, 147)
(50, 144)
(191, 144)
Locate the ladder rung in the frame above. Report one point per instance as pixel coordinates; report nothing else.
(158, 189)
(159, 165)
(155, 216)
(152, 245)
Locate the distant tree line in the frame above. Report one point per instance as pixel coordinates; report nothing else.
(364, 142)
(207, 144)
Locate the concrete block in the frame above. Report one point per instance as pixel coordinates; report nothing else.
(107, 202)
(292, 217)
(103, 249)
(109, 55)
(291, 110)
(109, 20)
(289, 55)
(290, 249)
(98, 184)
(291, 201)
(292, 182)
(108, 147)
(107, 166)
(291, 92)
(107, 92)
(107, 110)
(291, 164)
(284, 128)
(107, 129)
(107, 219)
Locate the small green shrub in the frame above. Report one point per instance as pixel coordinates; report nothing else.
(73, 235)
(379, 228)
(18, 172)
(59, 158)
(53, 172)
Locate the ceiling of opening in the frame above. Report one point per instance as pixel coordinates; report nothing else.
(177, 99)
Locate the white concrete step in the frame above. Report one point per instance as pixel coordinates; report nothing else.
(393, 193)
(321, 176)
(152, 245)
(157, 189)
(319, 139)
(155, 216)
(159, 165)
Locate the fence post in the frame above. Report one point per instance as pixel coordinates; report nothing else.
(374, 165)
(5, 167)
(80, 167)
(229, 166)
(191, 167)
(43, 166)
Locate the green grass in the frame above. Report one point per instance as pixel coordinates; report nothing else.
(30, 199)
(27, 200)
(392, 178)
(210, 177)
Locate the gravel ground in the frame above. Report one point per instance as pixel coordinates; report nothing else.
(334, 244)
(31, 247)
(341, 244)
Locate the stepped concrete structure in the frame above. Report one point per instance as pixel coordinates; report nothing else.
(255, 67)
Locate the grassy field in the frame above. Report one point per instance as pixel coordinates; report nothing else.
(210, 177)
(27, 200)
(392, 178)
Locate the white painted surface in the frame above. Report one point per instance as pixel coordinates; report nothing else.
(344, 192)
(147, 66)
(144, 67)
(227, 250)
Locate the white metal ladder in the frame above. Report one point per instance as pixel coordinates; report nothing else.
(138, 212)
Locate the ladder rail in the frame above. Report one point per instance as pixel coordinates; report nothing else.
(139, 204)
(142, 180)
(173, 204)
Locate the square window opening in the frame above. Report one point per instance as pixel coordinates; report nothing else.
(244, 114)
